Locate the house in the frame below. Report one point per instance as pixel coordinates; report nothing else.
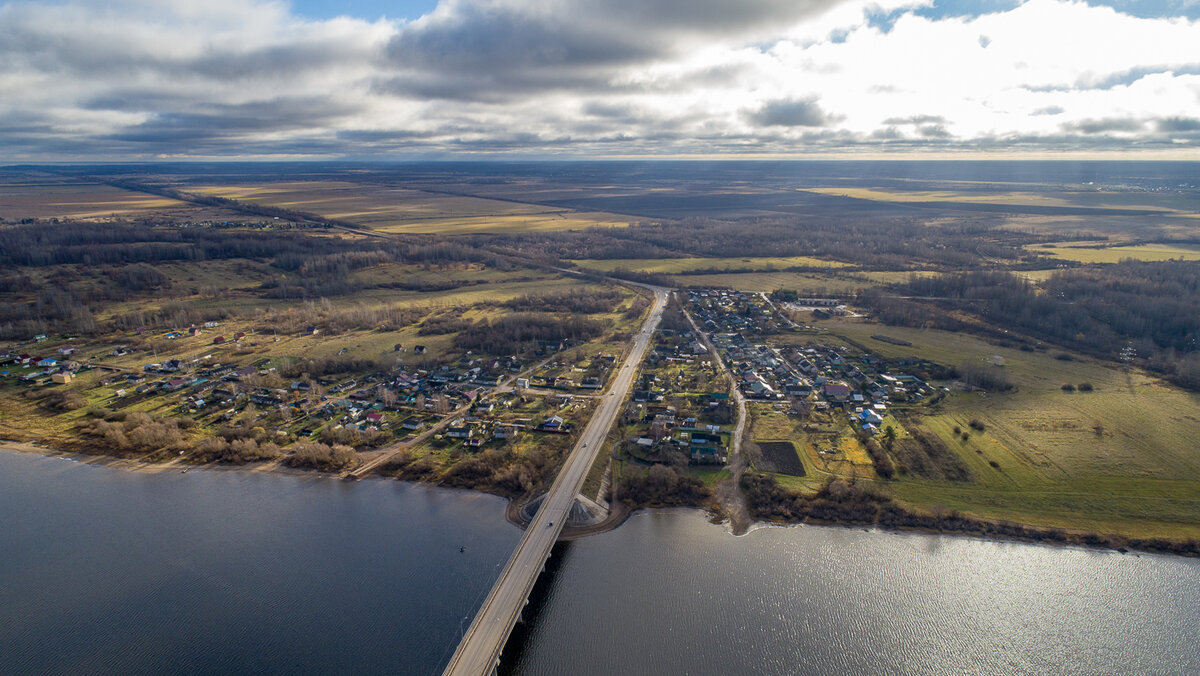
(590, 383)
(61, 378)
(412, 423)
(458, 430)
(507, 431)
(374, 417)
(871, 417)
(836, 392)
(211, 325)
(67, 351)
(219, 340)
(47, 363)
(265, 399)
(239, 335)
(552, 424)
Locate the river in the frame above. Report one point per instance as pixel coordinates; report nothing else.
(110, 571)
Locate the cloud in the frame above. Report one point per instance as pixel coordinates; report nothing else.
(791, 113)
(131, 79)
(1105, 125)
(1174, 124)
(916, 119)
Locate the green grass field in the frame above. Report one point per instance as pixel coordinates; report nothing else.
(1121, 459)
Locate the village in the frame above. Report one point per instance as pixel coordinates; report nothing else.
(471, 402)
(681, 410)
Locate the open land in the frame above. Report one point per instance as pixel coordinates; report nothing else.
(923, 351)
(402, 210)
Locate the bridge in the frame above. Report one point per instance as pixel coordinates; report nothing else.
(479, 651)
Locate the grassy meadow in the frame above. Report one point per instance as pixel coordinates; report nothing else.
(1121, 458)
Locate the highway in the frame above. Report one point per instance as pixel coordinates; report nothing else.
(479, 651)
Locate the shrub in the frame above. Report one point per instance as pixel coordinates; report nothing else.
(64, 400)
(1068, 388)
(977, 424)
(1085, 387)
(235, 452)
(323, 457)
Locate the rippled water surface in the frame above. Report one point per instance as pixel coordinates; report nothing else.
(109, 571)
(670, 593)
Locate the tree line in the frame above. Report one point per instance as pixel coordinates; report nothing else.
(1137, 309)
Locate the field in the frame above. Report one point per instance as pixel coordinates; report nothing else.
(678, 265)
(94, 202)
(782, 456)
(765, 282)
(396, 210)
(1072, 199)
(1119, 459)
(1089, 252)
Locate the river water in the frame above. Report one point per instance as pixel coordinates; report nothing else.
(109, 571)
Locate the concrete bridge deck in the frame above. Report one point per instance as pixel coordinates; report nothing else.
(479, 651)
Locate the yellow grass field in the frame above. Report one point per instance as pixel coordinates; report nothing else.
(394, 209)
(95, 202)
(1080, 199)
(1086, 252)
(806, 283)
(676, 265)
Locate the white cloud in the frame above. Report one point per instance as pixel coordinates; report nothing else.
(136, 78)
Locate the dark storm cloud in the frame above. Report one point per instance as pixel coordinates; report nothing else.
(790, 113)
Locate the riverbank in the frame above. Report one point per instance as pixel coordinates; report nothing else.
(848, 503)
(769, 503)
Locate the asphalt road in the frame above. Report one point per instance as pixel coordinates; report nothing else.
(480, 647)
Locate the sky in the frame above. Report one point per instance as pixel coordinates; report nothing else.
(138, 80)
